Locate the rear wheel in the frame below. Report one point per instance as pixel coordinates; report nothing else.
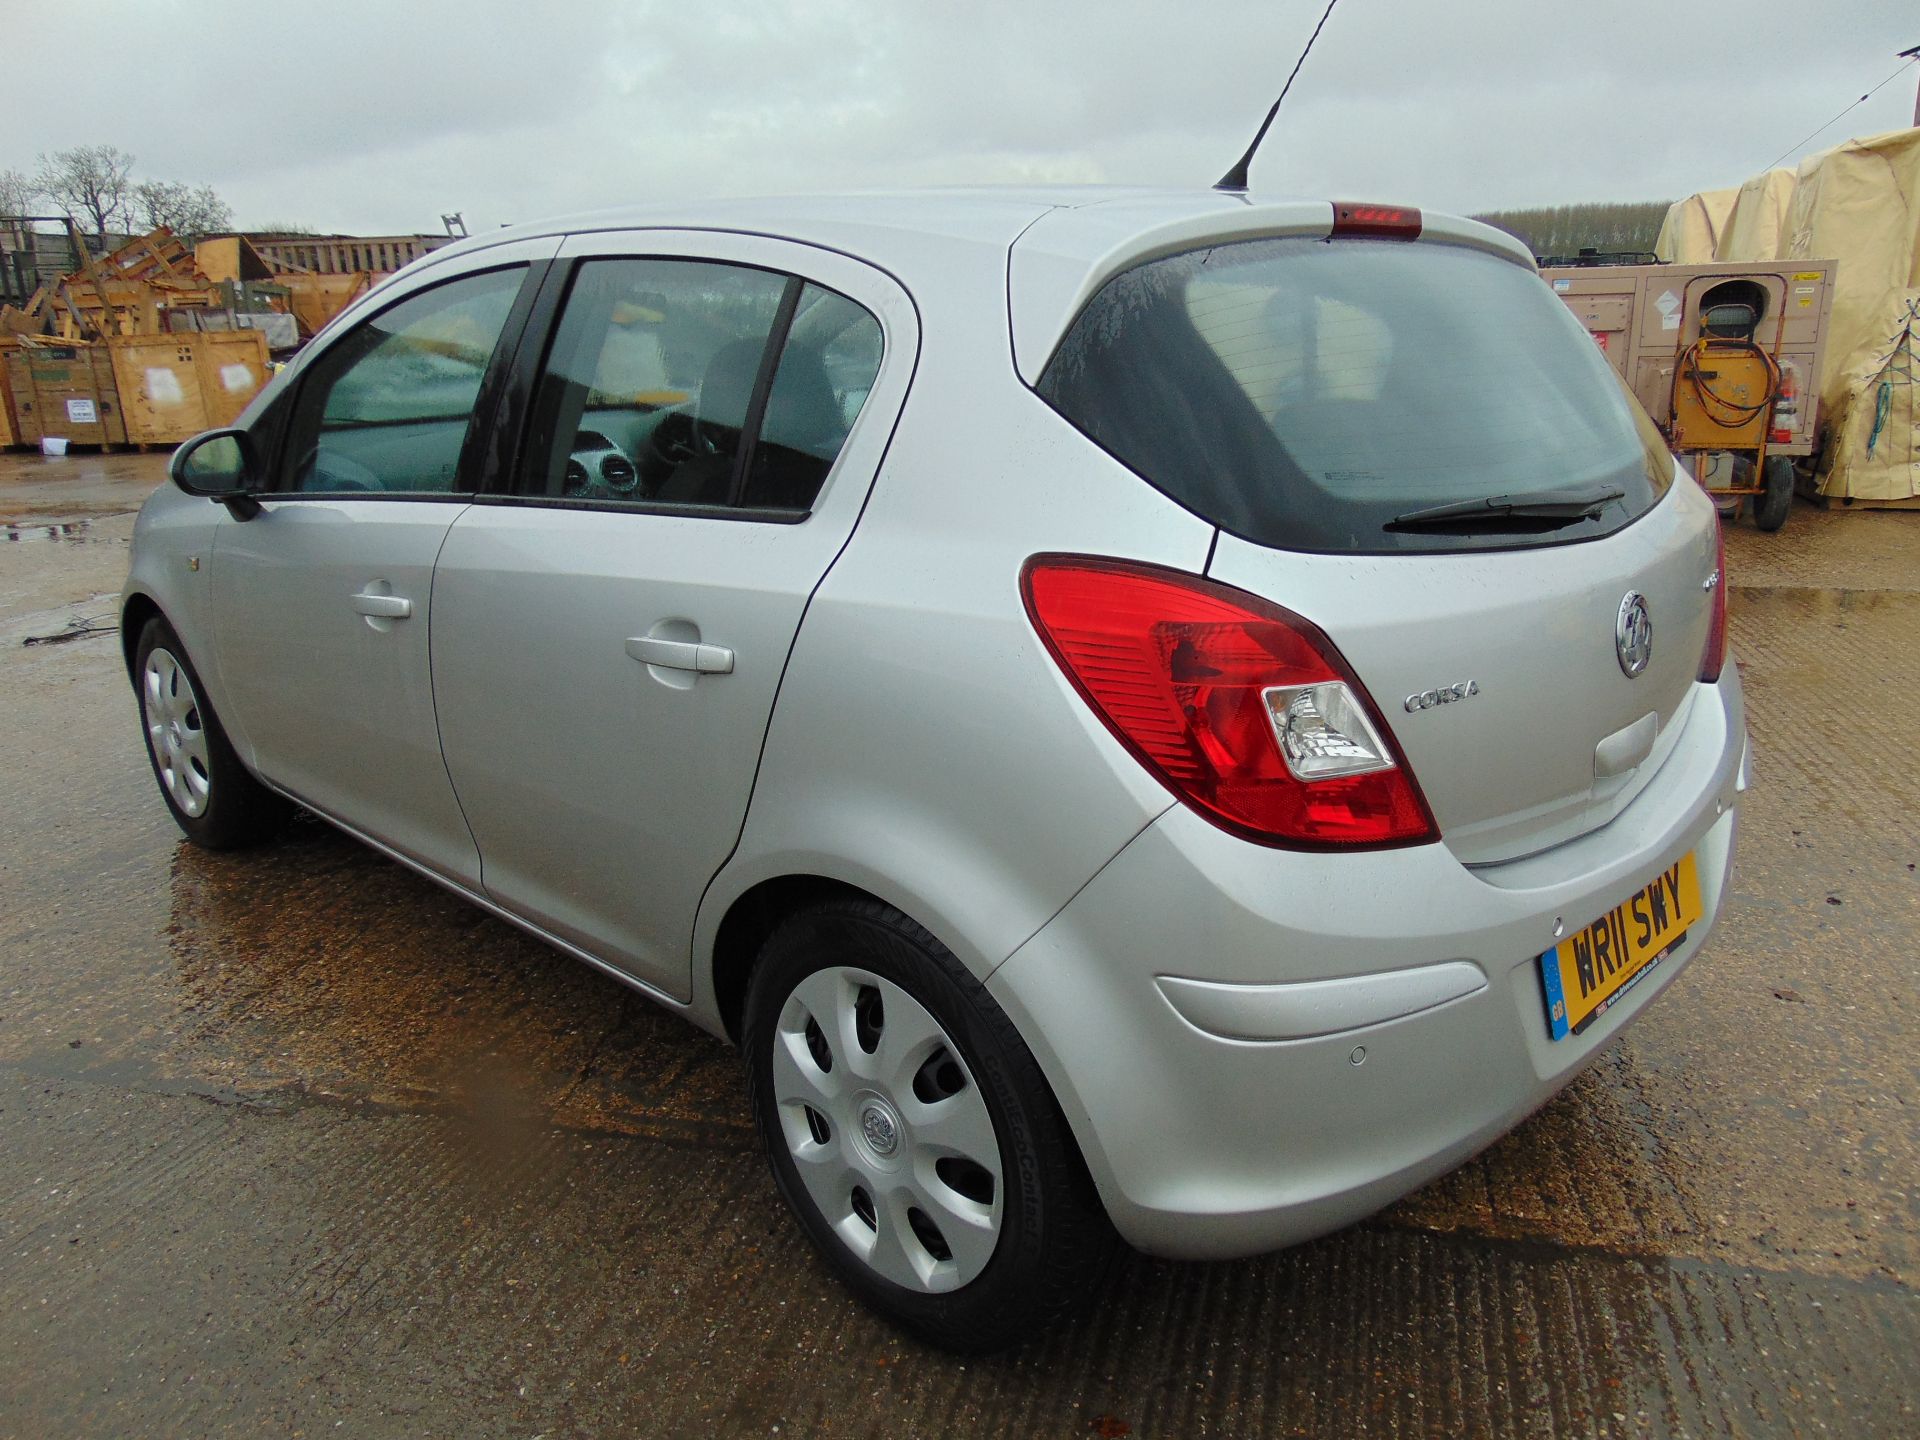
(1771, 506)
(912, 1133)
(214, 800)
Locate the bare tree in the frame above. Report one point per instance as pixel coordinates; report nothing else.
(90, 182)
(182, 209)
(17, 193)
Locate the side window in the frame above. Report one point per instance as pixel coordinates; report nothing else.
(660, 368)
(648, 383)
(827, 367)
(387, 408)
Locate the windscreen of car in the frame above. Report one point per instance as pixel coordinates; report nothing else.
(1313, 394)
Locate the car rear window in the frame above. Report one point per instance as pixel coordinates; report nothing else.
(1306, 393)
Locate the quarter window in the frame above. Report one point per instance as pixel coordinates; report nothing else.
(689, 384)
(387, 409)
(826, 369)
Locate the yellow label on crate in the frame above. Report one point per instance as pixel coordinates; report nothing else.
(1585, 973)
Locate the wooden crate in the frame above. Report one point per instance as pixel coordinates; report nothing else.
(316, 299)
(9, 428)
(174, 386)
(65, 391)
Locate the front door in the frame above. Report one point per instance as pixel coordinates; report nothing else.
(322, 601)
(608, 639)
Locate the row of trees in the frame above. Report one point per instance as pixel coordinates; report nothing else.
(95, 185)
(1564, 229)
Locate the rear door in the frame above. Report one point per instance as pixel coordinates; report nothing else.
(1335, 405)
(609, 636)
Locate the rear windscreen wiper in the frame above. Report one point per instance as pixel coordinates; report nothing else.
(1566, 506)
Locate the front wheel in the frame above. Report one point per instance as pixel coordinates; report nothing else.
(214, 800)
(1771, 506)
(912, 1133)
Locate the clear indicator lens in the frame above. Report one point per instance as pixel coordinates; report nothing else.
(1323, 732)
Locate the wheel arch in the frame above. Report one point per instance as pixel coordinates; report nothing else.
(753, 916)
(135, 611)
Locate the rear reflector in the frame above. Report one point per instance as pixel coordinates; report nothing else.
(1242, 709)
(1393, 222)
(1714, 658)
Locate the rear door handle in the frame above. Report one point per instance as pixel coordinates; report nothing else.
(681, 655)
(386, 607)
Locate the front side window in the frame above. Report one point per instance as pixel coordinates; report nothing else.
(690, 384)
(387, 409)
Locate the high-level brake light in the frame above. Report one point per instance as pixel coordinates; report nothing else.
(1243, 710)
(1388, 222)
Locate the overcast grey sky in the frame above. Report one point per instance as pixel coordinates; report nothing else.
(378, 115)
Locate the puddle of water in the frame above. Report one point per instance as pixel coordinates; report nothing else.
(71, 532)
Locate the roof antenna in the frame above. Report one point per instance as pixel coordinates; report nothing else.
(1236, 178)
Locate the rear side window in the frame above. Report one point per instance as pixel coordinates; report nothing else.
(688, 384)
(1309, 394)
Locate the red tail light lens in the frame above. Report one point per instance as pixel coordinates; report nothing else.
(1230, 701)
(1714, 660)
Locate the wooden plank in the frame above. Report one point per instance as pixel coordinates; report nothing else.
(93, 275)
(26, 417)
(9, 430)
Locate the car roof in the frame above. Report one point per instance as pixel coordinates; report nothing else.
(885, 227)
(1057, 243)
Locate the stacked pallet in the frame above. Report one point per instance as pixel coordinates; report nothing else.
(137, 347)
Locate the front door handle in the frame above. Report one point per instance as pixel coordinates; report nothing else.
(681, 655)
(385, 607)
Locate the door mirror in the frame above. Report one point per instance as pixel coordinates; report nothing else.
(218, 465)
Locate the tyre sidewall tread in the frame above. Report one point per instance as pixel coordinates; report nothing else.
(1054, 1235)
(1775, 501)
(240, 810)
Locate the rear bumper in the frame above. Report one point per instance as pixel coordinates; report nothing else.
(1257, 1046)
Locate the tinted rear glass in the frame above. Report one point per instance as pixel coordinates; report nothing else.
(1304, 393)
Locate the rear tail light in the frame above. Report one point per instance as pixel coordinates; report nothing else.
(1714, 659)
(1786, 405)
(1391, 222)
(1242, 709)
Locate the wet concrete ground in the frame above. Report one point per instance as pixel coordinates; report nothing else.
(291, 1143)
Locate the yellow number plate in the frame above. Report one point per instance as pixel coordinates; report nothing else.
(1585, 973)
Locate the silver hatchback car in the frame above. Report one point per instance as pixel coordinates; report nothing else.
(1141, 713)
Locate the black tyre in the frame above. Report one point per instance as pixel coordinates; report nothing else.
(1771, 506)
(214, 800)
(912, 1133)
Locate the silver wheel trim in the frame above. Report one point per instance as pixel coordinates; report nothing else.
(176, 733)
(863, 1095)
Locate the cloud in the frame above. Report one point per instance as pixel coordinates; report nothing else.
(371, 117)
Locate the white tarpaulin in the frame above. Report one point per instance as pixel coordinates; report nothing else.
(1692, 228)
(1858, 204)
